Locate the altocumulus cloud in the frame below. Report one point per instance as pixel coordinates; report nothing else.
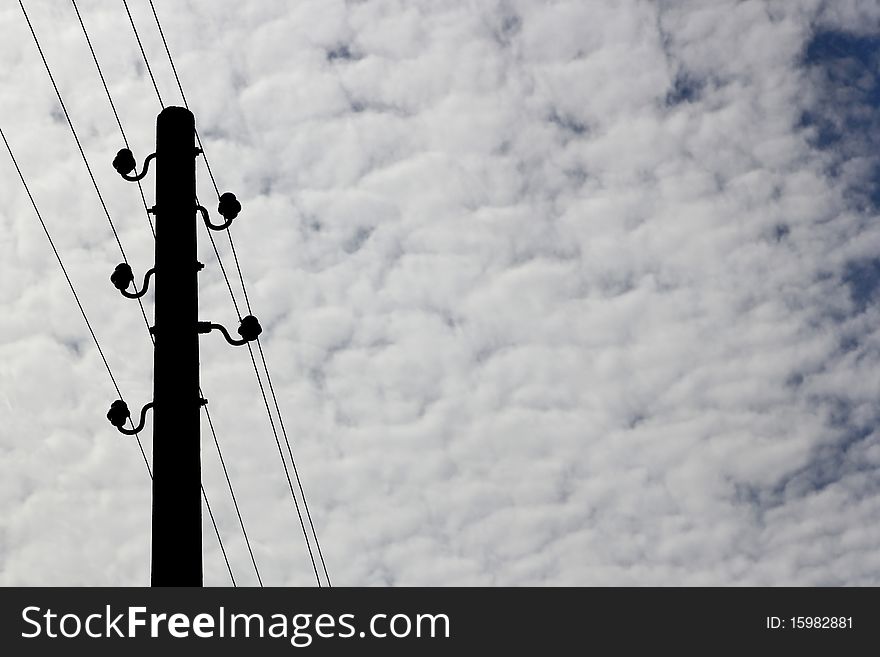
(554, 293)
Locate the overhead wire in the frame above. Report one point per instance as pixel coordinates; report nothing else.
(284, 463)
(278, 412)
(137, 36)
(112, 226)
(234, 498)
(113, 107)
(259, 344)
(153, 231)
(217, 532)
(271, 421)
(80, 147)
(292, 461)
(152, 337)
(207, 412)
(72, 290)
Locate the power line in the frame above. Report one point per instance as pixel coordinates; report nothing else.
(213, 431)
(217, 532)
(113, 107)
(72, 290)
(272, 424)
(277, 408)
(165, 42)
(284, 463)
(198, 137)
(112, 226)
(275, 431)
(234, 499)
(95, 337)
(271, 421)
(143, 53)
(98, 344)
(225, 276)
(204, 154)
(293, 462)
(238, 267)
(262, 355)
(201, 146)
(278, 411)
(80, 147)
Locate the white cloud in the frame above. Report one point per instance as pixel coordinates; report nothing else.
(553, 293)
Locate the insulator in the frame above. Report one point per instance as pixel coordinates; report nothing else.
(118, 413)
(124, 162)
(229, 206)
(122, 276)
(250, 328)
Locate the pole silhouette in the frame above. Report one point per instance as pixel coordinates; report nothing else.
(177, 502)
(176, 554)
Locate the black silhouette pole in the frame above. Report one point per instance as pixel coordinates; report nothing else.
(177, 502)
(177, 477)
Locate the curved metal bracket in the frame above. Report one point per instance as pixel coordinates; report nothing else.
(143, 173)
(140, 426)
(136, 294)
(207, 327)
(208, 223)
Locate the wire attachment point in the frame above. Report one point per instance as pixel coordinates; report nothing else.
(249, 330)
(119, 414)
(124, 163)
(228, 212)
(122, 277)
(229, 207)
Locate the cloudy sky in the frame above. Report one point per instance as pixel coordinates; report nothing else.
(555, 292)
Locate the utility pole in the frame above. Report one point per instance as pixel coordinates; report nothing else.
(177, 496)
(177, 480)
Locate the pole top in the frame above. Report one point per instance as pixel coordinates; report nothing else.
(176, 114)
